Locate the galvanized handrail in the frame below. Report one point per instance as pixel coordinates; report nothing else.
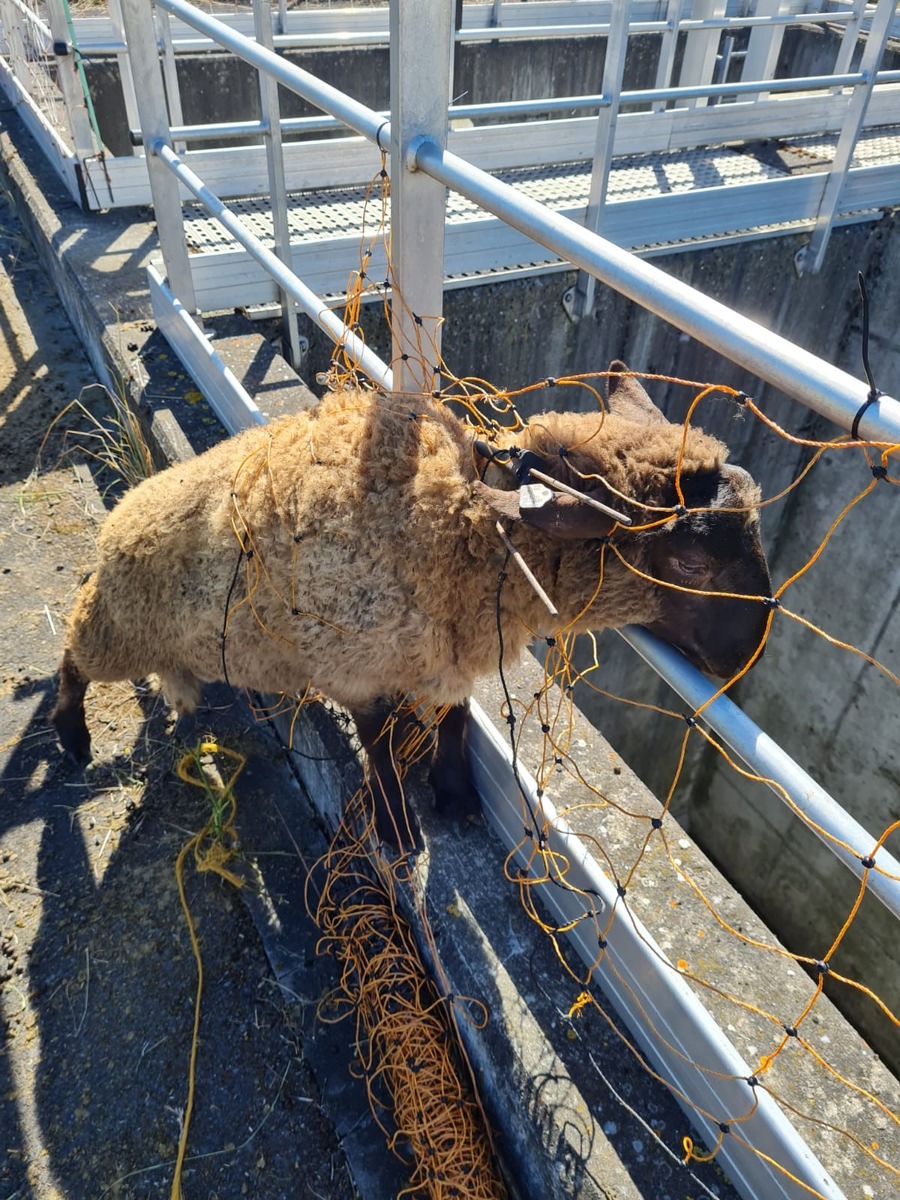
(100, 44)
(817, 384)
(239, 130)
(821, 813)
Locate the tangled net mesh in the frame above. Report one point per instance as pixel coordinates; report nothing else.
(408, 1052)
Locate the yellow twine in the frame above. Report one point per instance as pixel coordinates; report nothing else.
(211, 852)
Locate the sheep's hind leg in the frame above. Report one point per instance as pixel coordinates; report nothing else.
(182, 690)
(68, 712)
(381, 733)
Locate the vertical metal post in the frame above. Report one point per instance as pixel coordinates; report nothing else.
(667, 49)
(765, 43)
(170, 73)
(271, 115)
(421, 49)
(849, 39)
(140, 34)
(579, 301)
(701, 48)
(70, 85)
(809, 258)
(131, 109)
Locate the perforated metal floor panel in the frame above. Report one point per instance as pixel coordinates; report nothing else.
(874, 147)
(327, 214)
(657, 202)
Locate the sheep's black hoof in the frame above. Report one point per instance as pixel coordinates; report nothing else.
(455, 797)
(72, 731)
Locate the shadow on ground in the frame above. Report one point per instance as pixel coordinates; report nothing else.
(97, 976)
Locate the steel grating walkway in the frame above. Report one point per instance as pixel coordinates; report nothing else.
(655, 202)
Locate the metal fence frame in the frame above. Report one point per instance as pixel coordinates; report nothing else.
(420, 167)
(844, 101)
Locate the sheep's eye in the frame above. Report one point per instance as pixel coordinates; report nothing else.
(693, 567)
(689, 566)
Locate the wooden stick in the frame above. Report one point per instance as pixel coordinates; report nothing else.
(570, 491)
(527, 572)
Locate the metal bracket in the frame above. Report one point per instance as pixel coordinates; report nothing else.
(801, 260)
(570, 304)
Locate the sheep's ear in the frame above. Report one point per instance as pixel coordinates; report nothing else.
(560, 516)
(628, 398)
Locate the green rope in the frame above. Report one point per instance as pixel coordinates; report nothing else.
(85, 90)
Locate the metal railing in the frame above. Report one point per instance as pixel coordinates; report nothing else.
(677, 113)
(421, 167)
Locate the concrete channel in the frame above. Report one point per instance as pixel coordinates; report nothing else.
(576, 1112)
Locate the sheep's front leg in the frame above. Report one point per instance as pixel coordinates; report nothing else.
(451, 773)
(68, 712)
(381, 733)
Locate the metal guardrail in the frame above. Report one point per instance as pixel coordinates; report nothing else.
(418, 156)
(758, 106)
(99, 35)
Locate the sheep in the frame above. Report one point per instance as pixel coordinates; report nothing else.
(358, 549)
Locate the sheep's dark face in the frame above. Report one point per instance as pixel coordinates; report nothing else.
(705, 561)
(714, 549)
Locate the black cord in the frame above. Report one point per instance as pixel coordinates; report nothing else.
(237, 567)
(874, 393)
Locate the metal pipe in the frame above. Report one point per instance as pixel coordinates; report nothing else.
(311, 304)
(294, 78)
(764, 757)
(598, 28)
(245, 130)
(242, 130)
(807, 83)
(380, 37)
(811, 380)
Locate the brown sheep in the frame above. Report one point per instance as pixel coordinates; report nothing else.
(355, 549)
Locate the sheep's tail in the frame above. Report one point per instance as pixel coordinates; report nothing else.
(68, 713)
